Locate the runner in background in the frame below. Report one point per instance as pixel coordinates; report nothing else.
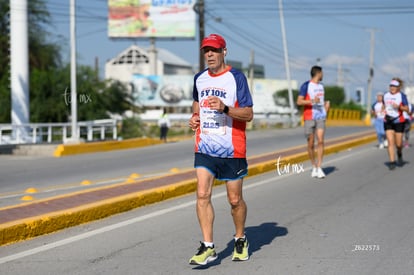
(395, 104)
(378, 111)
(312, 98)
(407, 126)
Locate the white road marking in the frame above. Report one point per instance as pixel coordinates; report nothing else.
(95, 232)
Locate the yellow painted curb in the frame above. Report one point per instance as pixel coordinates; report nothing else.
(345, 122)
(35, 226)
(31, 190)
(103, 146)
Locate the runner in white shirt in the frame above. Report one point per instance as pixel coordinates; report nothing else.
(395, 104)
(378, 110)
(222, 106)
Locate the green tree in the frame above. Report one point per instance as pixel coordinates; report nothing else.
(98, 99)
(335, 94)
(47, 98)
(5, 100)
(50, 78)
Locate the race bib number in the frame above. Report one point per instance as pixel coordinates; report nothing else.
(391, 111)
(214, 123)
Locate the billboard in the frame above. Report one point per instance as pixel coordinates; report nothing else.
(177, 91)
(162, 91)
(266, 99)
(151, 18)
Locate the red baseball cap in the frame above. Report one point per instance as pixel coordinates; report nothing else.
(214, 40)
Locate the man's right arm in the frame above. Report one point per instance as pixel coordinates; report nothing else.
(301, 101)
(194, 122)
(196, 107)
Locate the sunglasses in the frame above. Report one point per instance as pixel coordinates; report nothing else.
(214, 50)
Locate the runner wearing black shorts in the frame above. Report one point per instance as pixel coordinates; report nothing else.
(395, 104)
(222, 105)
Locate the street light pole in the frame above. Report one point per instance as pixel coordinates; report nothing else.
(370, 77)
(19, 69)
(201, 34)
(73, 91)
(286, 54)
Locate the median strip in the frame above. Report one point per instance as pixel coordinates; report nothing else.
(32, 219)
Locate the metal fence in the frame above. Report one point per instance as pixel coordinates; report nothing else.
(57, 132)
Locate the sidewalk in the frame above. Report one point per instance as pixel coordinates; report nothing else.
(45, 216)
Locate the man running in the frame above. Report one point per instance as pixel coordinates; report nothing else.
(222, 106)
(312, 97)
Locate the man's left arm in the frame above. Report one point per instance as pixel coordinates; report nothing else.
(240, 113)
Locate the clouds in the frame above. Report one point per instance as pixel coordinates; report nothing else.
(402, 66)
(335, 60)
(332, 60)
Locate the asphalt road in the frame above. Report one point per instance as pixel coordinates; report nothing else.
(54, 176)
(356, 221)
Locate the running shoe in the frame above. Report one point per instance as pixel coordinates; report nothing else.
(400, 161)
(385, 143)
(381, 146)
(204, 255)
(321, 174)
(392, 165)
(314, 172)
(241, 250)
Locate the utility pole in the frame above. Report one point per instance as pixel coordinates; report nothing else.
(340, 77)
(371, 76)
(282, 25)
(19, 68)
(251, 82)
(251, 70)
(199, 8)
(73, 91)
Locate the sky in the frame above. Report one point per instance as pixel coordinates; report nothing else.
(335, 32)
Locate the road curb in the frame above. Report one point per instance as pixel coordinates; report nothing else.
(39, 225)
(103, 146)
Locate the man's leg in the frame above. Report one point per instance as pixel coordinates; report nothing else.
(238, 205)
(320, 134)
(311, 149)
(205, 211)
(239, 212)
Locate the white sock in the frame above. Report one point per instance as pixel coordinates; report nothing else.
(236, 238)
(208, 244)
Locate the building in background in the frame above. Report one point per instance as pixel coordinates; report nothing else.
(136, 61)
(172, 85)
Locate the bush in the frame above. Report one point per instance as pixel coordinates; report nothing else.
(131, 128)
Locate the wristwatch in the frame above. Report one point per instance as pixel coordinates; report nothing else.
(226, 109)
